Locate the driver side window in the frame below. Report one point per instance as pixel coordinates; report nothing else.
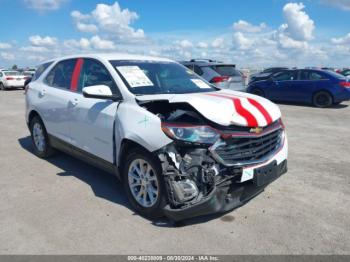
(94, 73)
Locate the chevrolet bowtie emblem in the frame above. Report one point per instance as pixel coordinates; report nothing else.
(256, 130)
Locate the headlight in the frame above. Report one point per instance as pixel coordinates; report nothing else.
(194, 134)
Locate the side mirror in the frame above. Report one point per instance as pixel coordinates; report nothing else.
(100, 92)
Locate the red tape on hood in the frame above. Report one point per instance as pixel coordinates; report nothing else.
(262, 110)
(251, 120)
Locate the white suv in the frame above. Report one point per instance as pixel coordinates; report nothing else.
(180, 146)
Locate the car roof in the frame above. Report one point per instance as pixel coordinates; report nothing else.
(112, 56)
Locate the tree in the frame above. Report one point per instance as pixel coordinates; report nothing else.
(14, 67)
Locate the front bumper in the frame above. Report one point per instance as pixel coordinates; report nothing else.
(225, 196)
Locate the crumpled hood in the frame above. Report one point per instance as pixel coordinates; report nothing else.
(226, 107)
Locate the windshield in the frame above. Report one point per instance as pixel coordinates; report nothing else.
(155, 77)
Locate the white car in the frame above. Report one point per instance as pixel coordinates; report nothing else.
(11, 79)
(181, 147)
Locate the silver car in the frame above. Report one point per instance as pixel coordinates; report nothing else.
(223, 76)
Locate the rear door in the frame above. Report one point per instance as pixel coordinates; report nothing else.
(54, 99)
(92, 120)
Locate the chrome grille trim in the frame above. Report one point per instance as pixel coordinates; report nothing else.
(248, 150)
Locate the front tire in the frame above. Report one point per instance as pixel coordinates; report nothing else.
(143, 183)
(40, 139)
(322, 99)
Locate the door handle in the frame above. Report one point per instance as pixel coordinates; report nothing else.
(74, 102)
(42, 93)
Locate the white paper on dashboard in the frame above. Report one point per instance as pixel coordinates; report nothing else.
(200, 83)
(134, 76)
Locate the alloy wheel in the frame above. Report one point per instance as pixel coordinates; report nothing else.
(143, 183)
(39, 137)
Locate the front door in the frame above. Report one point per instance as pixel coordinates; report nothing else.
(92, 120)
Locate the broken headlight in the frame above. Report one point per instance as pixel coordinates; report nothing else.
(189, 133)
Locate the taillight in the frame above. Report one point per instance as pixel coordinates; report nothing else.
(345, 84)
(219, 79)
(10, 78)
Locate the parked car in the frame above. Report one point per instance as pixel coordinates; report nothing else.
(318, 87)
(181, 147)
(266, 74)
(345, 72)
(223, 76)
(11, 79)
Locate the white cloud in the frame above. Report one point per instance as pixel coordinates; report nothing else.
(241, 42)
(299, 25)
(83, 43)
(36, 49)
(37, 40)
(43, 5)
(289, 43)
(244, 26)
(202, 45)
(5, 45)
(7, 56)
(36, 58)
(342, 40)
(87, 28)
(218, 43)
(342, 4)
(111, 19)
(185, 44)
(101, 44)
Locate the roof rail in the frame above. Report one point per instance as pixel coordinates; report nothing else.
(202, 59)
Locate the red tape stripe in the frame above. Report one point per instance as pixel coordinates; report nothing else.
(76, 74)
(251, 120)
(262, 110)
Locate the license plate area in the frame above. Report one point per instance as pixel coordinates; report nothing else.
(265, 174)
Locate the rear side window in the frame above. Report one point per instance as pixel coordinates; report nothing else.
(41, 69)
(226, 70)
(316, 76)
(94, 73)
(61, 75)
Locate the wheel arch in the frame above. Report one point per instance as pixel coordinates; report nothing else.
(125, 146)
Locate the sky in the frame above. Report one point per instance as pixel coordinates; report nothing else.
(249, 33)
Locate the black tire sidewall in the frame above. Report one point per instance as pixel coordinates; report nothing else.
(156, 210)
(46, 152)
(324, 93)
(2, 87)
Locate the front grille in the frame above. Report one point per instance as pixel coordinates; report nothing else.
(242, 150)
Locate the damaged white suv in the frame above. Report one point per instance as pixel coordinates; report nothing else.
(181, 147)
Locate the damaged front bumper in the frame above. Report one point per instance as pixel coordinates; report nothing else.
(225, 196)
(201, 181)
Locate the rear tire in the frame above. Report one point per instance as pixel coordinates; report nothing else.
(2, 87)
(40, 139)
(258, 92)
(322, 99)
(143, 182)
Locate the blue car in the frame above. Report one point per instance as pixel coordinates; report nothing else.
(319, 87)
